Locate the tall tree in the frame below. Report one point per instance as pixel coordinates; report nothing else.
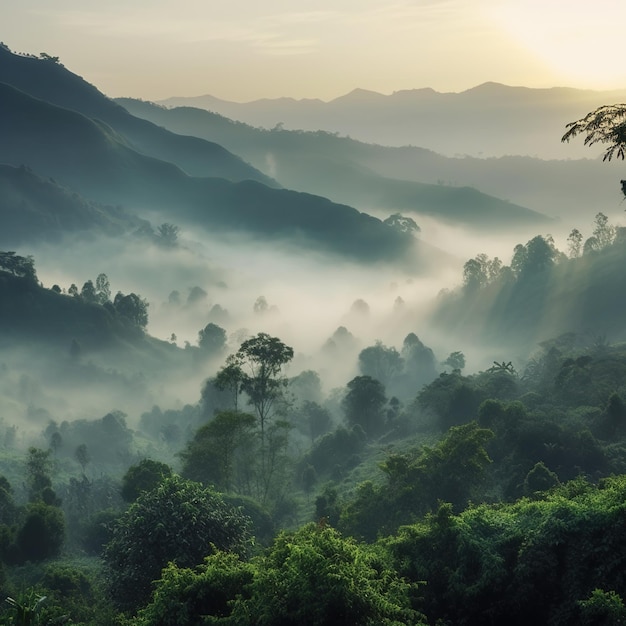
(364, 403)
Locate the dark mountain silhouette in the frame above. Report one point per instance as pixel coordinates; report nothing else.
(487, 120)
(50, 81)
(321, 162)
(36, 209)
(90, 157)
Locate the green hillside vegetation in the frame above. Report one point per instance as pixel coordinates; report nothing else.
(319, 162)
(543, 292)
(36, 209)
(480, 497)
(29, 311)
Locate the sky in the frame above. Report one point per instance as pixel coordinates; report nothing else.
(242, 50)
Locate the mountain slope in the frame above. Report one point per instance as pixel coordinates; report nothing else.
(33, 209)
(321, 162)
(50, 81)
(91, 158)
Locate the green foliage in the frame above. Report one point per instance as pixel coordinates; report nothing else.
(144, 476)
(335, 452)
(315, 577)
(380, 362)
(452, 398)
(204, 595)
(38, 472)
(602, 609)
(540, 478)
(133, 308)
(527, 562)
(42, 532)
(363, 404)
(26, 609)
(222, 452)
(449, 472)
(212, 338)
(178, 521)
(262, 358)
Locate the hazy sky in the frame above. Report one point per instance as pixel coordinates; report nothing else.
(247, 49)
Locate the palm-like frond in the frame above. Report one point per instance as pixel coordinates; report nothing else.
(607, 124)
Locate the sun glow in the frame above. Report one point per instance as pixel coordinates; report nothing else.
(574, 40)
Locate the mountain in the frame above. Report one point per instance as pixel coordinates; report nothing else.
(324, 163)
(488, 120)
(35, 209)
(49, 81)
(569, 189)
(91, 158)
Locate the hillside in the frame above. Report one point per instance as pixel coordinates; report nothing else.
(51, 82)
(90, 157)
(326, 164)
(542, 295)
(35, 209)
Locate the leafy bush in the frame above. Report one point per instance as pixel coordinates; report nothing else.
(178, 521)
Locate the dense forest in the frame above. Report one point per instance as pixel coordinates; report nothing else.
(461, 498)
(235, 477)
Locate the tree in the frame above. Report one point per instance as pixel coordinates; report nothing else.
(260, 305)
(574, 241)
(316, 577)
(24, 267)
(38, 476)
(132, 307)
(222, 452)
(212, 338)
(230, 378)
(603, 232)
(88, 292)
(455, 361)
(82, 456)
(167, 234)
(103, 288)
(178, 521)
(380, 362)
(42, 534)
(475, 274)
(144, 476)
(262, 358)
(402, 224)
(364, 403)
(607, 124)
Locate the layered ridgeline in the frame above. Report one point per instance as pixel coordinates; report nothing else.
(48, 122)
(564, 187)
(350, 171)
(488, 120)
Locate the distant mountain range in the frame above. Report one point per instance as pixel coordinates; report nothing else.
(488, 120)
(345, 169)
